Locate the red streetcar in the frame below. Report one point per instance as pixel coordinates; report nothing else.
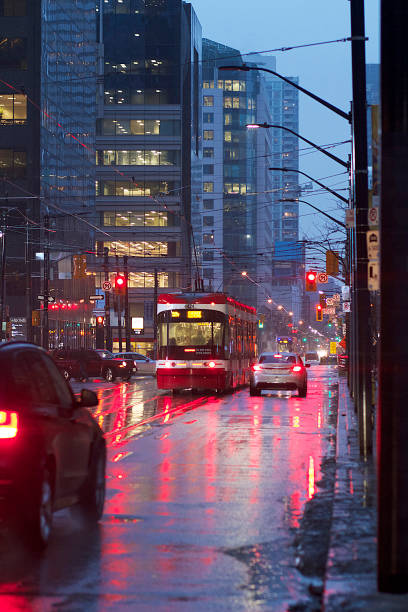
(205, 341)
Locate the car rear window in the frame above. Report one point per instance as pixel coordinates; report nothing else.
(277, 359)
(313, 356)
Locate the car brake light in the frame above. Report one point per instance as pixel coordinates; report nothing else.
(297, 368)
(256, 368)
(8, 424)
(278, 355)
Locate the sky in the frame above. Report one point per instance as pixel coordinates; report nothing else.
(260, 25)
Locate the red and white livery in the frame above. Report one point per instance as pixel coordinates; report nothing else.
(204, 341)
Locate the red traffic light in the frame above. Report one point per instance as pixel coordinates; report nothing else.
(311, 281)
(120, 282)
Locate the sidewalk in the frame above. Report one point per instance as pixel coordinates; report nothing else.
(350, 580)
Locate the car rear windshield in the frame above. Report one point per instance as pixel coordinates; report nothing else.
(277, 359)
(313, 356)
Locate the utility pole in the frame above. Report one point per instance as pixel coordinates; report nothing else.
(127, 318)
(28, 283)
(45, 326)
(361, 302)
(393, 355)
(108, 342)
(3, 272)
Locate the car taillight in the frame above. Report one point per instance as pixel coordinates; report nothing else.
(8, 424)
(297, 368)
(256, 368)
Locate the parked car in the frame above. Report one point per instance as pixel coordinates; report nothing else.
(144, 364)
(278, 371)
(52, 451)
(89, 363)
(312, 359)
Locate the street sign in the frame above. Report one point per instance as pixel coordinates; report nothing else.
(373, 216)
(336, 298)
(373, 244)
(345, 293)
(373, 276)
(95, 298)
(350, 218)
(107, 286)
(329, 311)
(329, 302)
(322, 277)
(50, 298)
(346, 307)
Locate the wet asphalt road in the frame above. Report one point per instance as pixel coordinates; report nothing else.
(205, 495)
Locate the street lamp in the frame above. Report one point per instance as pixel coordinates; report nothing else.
(254, 126)
(315, 208)
(342, 198)
(245, 68)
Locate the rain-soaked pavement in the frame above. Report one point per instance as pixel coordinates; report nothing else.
(205, 496)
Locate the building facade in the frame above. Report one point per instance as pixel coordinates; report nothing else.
(47, 137)
(236, 216)
(148, 150)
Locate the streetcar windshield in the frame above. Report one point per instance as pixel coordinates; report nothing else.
(208, 333)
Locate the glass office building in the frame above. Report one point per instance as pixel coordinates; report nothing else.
(47, 135)
(148, 148)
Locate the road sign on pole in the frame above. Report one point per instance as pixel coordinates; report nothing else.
(95, 298)
(373, 244)
(373, 216)
(50, 298)
(107, 286)
(322, 278)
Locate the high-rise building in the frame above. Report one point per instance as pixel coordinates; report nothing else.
(149, 177)
(236, 232)
(47, 129)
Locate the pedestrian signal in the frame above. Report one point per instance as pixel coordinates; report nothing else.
(332, 263)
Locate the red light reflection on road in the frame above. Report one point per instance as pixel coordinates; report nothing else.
(311, 479)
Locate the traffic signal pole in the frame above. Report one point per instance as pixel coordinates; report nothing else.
(127, 317)
(393, 354)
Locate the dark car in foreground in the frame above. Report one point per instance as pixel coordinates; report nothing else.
(90, 363)
(52, 451)
(284, 371)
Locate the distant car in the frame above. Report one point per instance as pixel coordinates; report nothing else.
(312, 359)
(278, 371)
(52, 451)
(144, 364)
(98, 363)
(328, 360)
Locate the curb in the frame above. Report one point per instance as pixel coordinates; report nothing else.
(350, 582)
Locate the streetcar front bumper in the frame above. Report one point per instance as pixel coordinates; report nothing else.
(191, 378)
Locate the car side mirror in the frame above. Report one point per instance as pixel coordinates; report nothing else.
(88, 399)
(307, 365)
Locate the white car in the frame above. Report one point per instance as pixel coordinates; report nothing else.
(278, 371)
(312, 359)
(144, 364)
